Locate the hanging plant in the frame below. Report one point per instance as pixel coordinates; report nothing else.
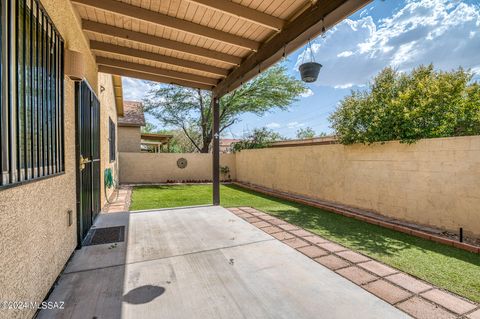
(309, 70)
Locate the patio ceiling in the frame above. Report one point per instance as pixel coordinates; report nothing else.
(208, 44)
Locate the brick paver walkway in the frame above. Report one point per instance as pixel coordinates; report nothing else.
(413, 296)
(120, 203)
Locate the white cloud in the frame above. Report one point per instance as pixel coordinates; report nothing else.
(273, 125)
(307, 93)
(134, 89)
(344, 54)
(295, 125)
(441, 32)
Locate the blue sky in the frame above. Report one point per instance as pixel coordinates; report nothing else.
(399, 33)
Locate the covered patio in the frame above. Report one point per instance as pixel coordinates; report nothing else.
(203, 262)
(204, 44)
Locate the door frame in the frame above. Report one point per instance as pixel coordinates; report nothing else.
(78, 189)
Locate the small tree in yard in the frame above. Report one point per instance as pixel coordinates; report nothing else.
(259, 138)
(190, 109)
(423, 104)
(307, 132)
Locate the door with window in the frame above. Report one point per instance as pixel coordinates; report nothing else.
(88, 137)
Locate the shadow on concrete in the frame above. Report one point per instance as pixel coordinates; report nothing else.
(143, 294)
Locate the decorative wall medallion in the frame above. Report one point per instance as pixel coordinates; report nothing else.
(182, 162)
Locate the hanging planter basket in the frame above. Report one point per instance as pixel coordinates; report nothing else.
(309, 70)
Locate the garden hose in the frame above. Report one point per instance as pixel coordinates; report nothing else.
(107, 182)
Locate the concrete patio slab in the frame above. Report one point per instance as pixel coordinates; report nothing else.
(205, 263)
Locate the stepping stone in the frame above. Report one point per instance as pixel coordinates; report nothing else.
(332, 247)
(267, 217)
(301, 233)
(474, 315)
(282, 235)
(295, 242)
(261, 224)
(409, 283)
(271, 230)
(356, 275)
(276, 221)
(449, 301)
(378, 268)
(388, 292)
(288, 227)
(312, 251)
(252, 219)
(332, 262)
(352, 256)
(316, 239)
(422, 309)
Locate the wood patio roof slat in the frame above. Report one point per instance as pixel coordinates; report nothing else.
(151, 77)
(116, 49)
(154, 70)
(159, 42)
(138, 13)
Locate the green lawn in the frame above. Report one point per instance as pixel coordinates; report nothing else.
(446, 267)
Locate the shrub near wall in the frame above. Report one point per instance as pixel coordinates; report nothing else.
(433, 182)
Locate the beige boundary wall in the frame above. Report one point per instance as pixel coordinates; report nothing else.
(433, 182)
(151, 168)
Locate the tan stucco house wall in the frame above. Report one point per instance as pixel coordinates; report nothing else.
(129, 138)
(107, 111)
(35, 238)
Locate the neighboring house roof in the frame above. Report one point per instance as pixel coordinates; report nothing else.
(228, 141)
(133, 114)
(156, 137)
(320, 140)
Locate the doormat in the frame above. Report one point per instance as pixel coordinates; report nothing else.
(108, 235)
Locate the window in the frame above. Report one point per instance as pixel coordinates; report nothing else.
(31, 104)
(111, 138)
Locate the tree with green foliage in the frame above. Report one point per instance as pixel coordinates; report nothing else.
(424, 103)
(304, 133)
(258, 138)
(190, 109)
(179, 143)
(149, 128)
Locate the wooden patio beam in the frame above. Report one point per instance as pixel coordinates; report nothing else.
(125, 51)
(144, 38)
(138, 13)
(306, 26)
(151, 77)
(243, 12)
(156, 71)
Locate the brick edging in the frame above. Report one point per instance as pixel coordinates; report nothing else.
(371, 220)
(412, 301)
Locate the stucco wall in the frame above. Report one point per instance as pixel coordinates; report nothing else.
(129, 139)
(35, 239)
(162, 167)
(107, 110)
(434, 182)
